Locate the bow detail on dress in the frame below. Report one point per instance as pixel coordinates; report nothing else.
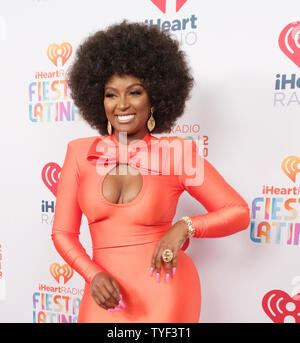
(106, 154)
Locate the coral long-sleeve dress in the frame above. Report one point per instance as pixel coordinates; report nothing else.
(124, 235)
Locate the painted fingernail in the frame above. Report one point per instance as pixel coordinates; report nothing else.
(157, 277)
(151, 271)
(173, 271)
(122, 304)
(167, 277)
(117, 308)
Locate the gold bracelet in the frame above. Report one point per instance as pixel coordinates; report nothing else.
(191, 228)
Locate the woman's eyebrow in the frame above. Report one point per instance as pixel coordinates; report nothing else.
(134, 84)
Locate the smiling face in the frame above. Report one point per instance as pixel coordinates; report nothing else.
(127, 106)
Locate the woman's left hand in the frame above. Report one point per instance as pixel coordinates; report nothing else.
(173, 239)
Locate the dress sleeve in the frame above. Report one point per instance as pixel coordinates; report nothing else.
(228, 212)
(67, 220)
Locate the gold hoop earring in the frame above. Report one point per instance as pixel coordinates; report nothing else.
(151, 121)
(109, 128)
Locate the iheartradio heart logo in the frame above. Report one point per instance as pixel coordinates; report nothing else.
(291, 167)
(162, 4)
(50, 176)
(289, 42)
(280, 307)
(64, 51)
(65, 271)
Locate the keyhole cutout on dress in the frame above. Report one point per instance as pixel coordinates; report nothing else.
(122, 184)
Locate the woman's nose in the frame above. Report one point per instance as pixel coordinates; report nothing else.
(123, 103)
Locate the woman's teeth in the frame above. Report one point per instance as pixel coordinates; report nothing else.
(125, 119)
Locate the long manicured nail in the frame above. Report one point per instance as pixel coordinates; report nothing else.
(151, 271)
(122, 304)
(173, 271)
(167, 277)
(157, 277)
(117, 308)
(121, 297)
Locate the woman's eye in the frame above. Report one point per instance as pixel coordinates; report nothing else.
(109, 95)
(136, 92)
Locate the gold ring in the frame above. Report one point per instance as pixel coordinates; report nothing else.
(167, 255)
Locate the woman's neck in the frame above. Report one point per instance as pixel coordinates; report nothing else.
(125, 138)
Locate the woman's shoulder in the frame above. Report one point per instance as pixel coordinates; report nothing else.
(81, 145)
(174, 142)
(169, 138)
(183, 140)
(82, 140)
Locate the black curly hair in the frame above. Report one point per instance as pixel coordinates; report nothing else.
(136, 49)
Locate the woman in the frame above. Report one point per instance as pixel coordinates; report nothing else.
(128, 81)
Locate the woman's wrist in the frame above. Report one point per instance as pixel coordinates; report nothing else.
(190, 229)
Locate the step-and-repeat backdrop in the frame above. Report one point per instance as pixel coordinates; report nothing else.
(245, 108)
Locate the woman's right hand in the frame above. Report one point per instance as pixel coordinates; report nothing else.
(106, 292)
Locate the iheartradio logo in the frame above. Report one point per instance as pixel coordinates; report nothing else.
(63, 51)
(64, 271)
(162, 4)
(291, 167)
(282, 308)
(289, 42)
(50, 176)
